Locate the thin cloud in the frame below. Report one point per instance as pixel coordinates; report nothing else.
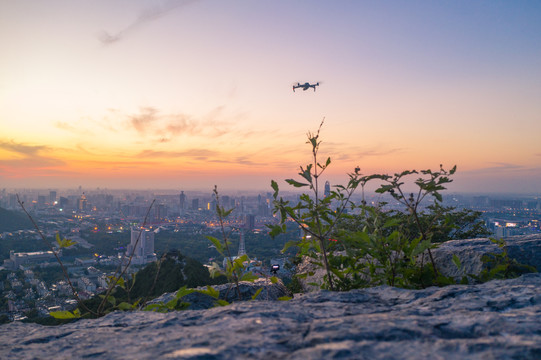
(22, 149)
(182, 124)
(65, 126)
(498, 167)
(141, 122)
(198, 153)
(162, 128)
(345, 155)
(28, 156)
(241, 160)
(148, 15)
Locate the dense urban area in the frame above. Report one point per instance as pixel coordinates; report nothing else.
(106, 225)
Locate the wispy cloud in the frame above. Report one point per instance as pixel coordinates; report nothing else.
(162, 128)
(239, 160)
(29, 155)
(29, 160)
(142, 121)
(196, 153)
(354, 154)
(497, 167)
(147, 15)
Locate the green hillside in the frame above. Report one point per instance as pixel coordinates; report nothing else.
(13, 220)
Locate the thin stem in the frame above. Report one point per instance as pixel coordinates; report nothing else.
(224, 236)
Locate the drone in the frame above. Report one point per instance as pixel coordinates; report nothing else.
(305, 86)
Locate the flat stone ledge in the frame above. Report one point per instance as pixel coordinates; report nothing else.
(496, 320)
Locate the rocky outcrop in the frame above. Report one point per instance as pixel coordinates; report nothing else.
(228, 292)
(495, 320)
(525, 249)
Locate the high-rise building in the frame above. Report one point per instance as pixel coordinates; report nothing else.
(141, 246)
(250, 222)
(52, 197)
(41, 201)
(160, 212)
(327, 189)
(182, 204)
(82, 203)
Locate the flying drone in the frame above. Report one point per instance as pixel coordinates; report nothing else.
(305, 86)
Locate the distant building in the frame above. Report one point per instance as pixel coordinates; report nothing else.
(52, 197)
(82, 203)
(29, 258)
(250, 222)
(41, 201)
(182, 203)
(141, 246)
(85, 262)
(327, 191)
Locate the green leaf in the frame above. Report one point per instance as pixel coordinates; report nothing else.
(284, 298)
(289, 244)
(227, 213)
(183, 291)
(274, 186)
(275, 230)
(217, 243)
(210, 291)
(274, 279)
(249, 277)
(254, 296)
(64, 243)
(112, 300)
(221, 302)
(151, 307)
(171, 303)
(295, 183)
(456, 261)
(125, 306)
(114, 281)
(65, 314)
(215, 270)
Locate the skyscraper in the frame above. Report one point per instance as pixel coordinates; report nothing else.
(142, 246)
(182, 203)
(52, 197)
(327, 189)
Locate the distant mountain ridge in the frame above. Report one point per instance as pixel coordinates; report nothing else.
(13, 221)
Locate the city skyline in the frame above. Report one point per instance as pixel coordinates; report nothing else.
(191, 94)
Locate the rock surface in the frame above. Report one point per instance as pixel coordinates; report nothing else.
(496, 320)
(525, 249)
(247, 289)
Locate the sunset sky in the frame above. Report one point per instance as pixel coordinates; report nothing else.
(187, 94)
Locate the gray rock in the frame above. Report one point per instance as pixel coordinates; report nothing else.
(229, 293)
(525, 249)
(495, 320)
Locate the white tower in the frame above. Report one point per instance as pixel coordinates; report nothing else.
(242, 248)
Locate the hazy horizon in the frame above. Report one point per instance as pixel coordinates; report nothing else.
(185, 94)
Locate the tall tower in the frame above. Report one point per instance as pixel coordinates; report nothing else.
(242, 247)
(327, 189)
(82, 203)
(182, 202)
